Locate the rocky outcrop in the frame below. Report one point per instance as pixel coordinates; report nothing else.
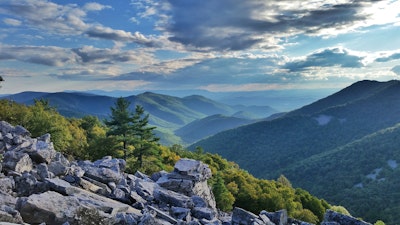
(38, 185)
(335, 218)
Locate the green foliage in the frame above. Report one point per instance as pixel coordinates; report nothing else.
(340, 209)
(232, 186)
(40, 119)
(132, 130)
(223, 197)
(379, 222)
(99, 145)
(120, 125)
(284, 181)
(328, 147)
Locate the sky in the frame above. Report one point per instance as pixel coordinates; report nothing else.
(211, 45)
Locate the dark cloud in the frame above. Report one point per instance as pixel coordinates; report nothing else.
(119, 35)
(391, 57)
(326, 58)
(49, 56)
(213, 71)
(89, 54)
(238, 25)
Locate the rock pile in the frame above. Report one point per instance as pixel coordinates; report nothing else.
(38, 185)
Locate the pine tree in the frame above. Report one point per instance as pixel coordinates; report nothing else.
(132, 130)
(145, 141)
(121, 124)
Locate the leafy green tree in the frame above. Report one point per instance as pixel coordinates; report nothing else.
(99, 145)
(340, 209)
(284, 181)
(1, 80)
(379, 222)
(223, 197)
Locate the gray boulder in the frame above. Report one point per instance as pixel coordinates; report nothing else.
(173, 198)
(203, 213)
(242, 217)
(17, 161)
(279, 217)
(9, 214)
(189, 178)
(335, 217)
(49, 207)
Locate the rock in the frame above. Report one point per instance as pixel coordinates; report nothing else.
(162, 215)
(189, 178)
(89, 186)
(61, 186)
(49, 207)
(180, 213)
(21, 131)
(42, 155)
(203, 213)
(173, 198)
(27, 184)
(7, 184)
(297, 222)
(104, 189)
(6, 127)
(7, 199)
(17, 161)
(242, 217)
(9, 214)
(57, 168)
(118, 165)
(145, 189)
(43, 171)
(265, 219)
(279, 218)
(123, 218)
(102, 174)
(198, 201)
(335, 217)
(193, 168)
(135, 197)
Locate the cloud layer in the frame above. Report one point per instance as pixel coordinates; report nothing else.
(191, 44)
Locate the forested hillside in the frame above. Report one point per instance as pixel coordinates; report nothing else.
(88, 138)
(168, 113)
(287, 144)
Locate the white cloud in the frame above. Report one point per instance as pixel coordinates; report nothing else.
(94, 6)
(12, 22)
(68, 20)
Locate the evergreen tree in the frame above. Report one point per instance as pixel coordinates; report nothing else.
(121, 124)
(132, 130)
(145, 141)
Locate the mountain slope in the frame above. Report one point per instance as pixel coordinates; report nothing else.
(287, 144)
(345, 175)
(296, 136)
(208, 126)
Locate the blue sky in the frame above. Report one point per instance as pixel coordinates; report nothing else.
(213, 45)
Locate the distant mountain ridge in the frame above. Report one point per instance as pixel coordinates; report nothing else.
(308, 145)
(167, 113)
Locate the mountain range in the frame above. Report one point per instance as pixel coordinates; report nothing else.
(343, 148)
(169, 114)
